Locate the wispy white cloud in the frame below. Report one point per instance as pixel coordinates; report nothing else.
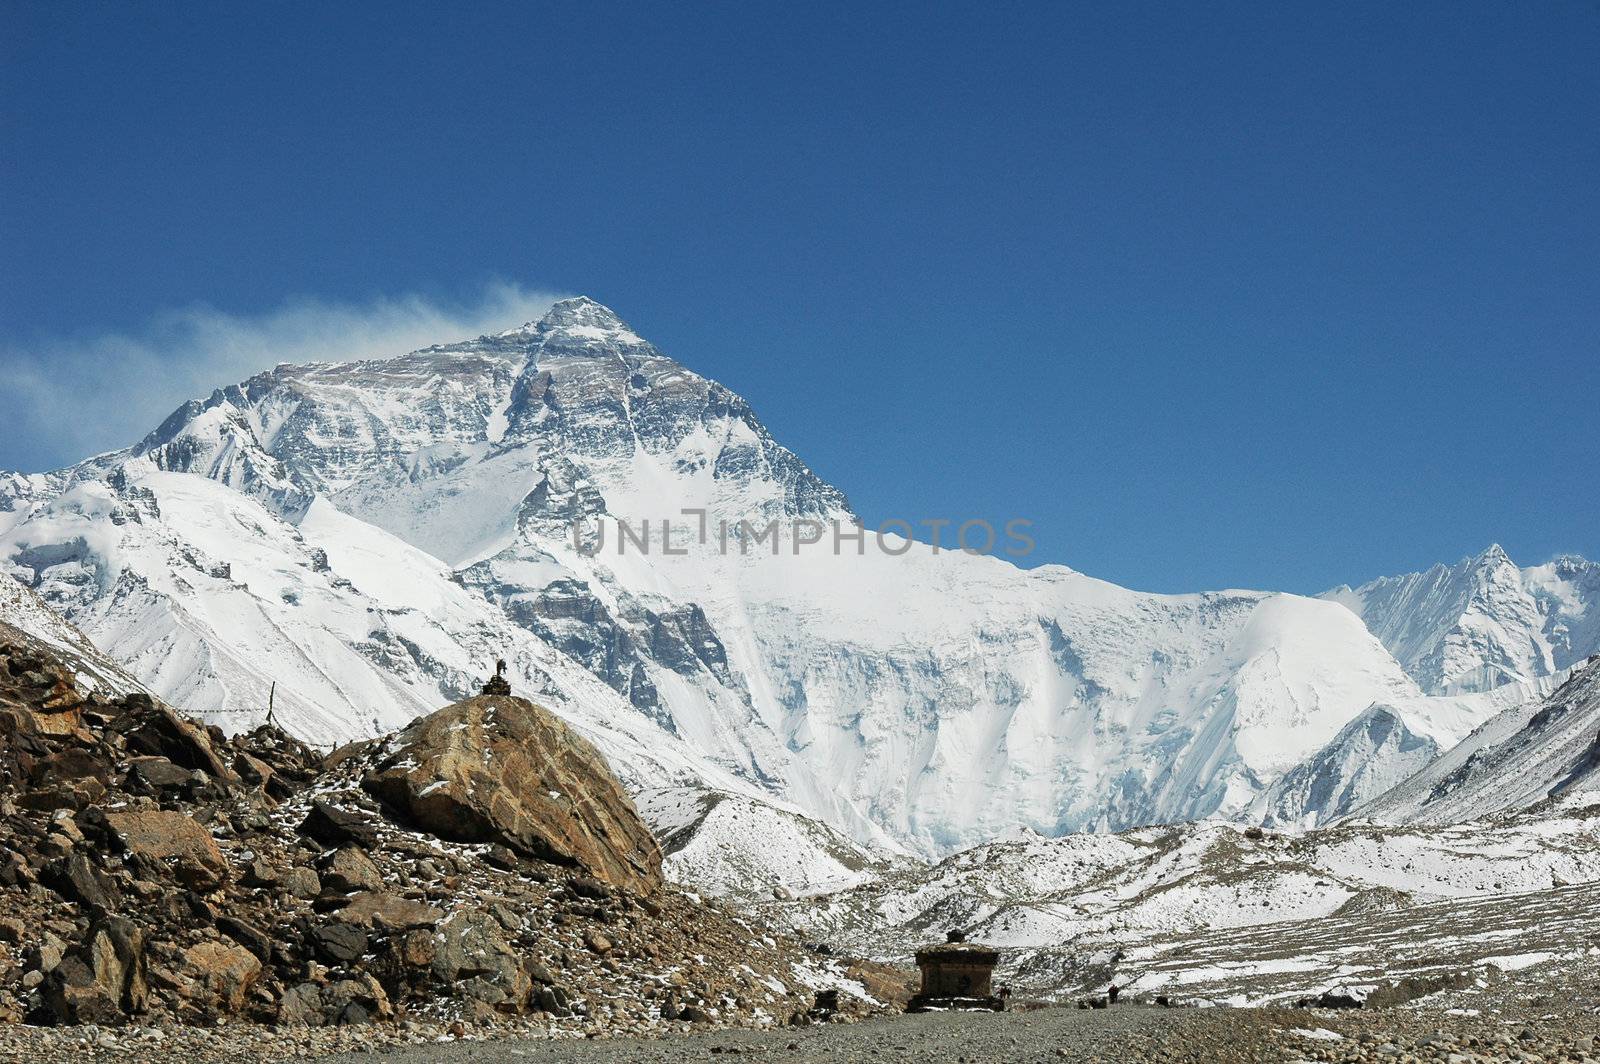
(65, 398)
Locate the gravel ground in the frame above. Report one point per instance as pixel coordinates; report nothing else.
(1059, 1034)
(1123, 1033)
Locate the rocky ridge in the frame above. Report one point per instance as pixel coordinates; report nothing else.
(1529, 756)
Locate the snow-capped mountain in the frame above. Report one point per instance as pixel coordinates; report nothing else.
(1378, 750)
(1363, 761)
(371, 536)
(359, 632)
(1484, 621)
(732, 845)
(1518, 759)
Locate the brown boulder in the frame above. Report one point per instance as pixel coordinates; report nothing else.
(347, 1001)
(149, 727)
(104, 980)
(227, 972)
(332, 826)
(246, 934)
(47, 700)
(76, 996)
(69, 771)
(470, 949)
(71, 763)
(171, 837)
(340, 943)
(152, 775)
(78, 879)
(349, 870)
(376, 909)
(409, 954)
(501, 769)
(116, 953)
(301, 882)
(61, 722)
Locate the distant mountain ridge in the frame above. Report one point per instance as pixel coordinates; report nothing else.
(1484, 621)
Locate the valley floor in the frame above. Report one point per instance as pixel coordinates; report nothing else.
(1121, 1033)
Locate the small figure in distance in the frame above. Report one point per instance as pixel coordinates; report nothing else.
(498, 684)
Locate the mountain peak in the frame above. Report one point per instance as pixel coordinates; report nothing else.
(581, 310)
(1492, 557)
(583, 319)
(575, 312)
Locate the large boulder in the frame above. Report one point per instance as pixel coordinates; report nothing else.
(173, 839)
(345, 1001)
(332, 826)
(500, 769)
(102, 981)
(470, 949)
(348, 870)
(225, 971)
(148, 727)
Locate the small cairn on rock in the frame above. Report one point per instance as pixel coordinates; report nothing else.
(498, 684)
(957, 975)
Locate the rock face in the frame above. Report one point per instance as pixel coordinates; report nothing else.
(500, 769)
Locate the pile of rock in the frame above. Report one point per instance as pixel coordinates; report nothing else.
(482, 864)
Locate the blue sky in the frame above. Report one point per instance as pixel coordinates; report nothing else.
(1218, 295)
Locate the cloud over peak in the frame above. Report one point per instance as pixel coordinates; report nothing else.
(68, 397)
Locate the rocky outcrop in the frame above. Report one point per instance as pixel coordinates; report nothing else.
(502, 770)
(154, 872)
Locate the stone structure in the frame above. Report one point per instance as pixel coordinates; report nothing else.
(957, 974)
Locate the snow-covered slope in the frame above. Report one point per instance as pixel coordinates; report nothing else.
(1518, 759)
(24, 617)
(1366, 758)
(372, 535)
(1216, 911)
(734, 845)
(1379, 749)
(359, 631)
(1483, 622)
(1098, 889)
